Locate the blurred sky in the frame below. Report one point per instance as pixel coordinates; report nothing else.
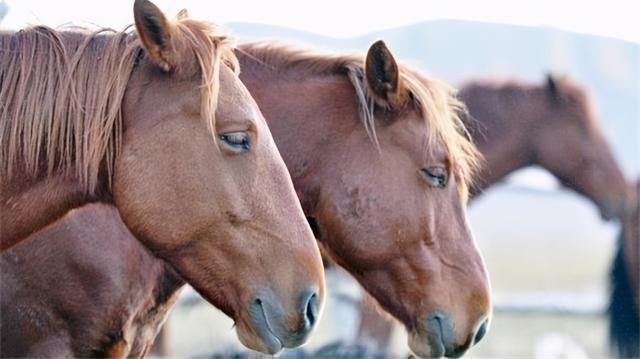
(346, 18)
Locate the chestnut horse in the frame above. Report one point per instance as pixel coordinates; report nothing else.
(128, 119)
(624, 305)
(552, 125)
(381, 165)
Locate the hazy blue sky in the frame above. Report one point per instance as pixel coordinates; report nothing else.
(345, 18)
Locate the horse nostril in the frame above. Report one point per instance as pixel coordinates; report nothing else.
(440, 334)
(311, 310)
(482, 330)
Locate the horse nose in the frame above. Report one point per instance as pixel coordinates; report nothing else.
(614, 206)
(310, 311)
(286, 327)
(481, 331)
(306, 318)
(442, 335)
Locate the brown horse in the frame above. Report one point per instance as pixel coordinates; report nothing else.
(552, 125)
(128, 119)
(381, 164)
(103, 294)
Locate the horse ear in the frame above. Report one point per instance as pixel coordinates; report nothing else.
(552, 88)
(183, 14)
(383, 77)
(155, 33)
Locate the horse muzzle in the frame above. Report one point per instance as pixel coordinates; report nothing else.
(278, 328)
(437, 338)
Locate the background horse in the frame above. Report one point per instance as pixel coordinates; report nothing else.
(381, 164)
(552, 125)
(624, 305)
(129, 119)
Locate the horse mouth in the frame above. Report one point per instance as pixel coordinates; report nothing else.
(607, 213)
(427, 346)
(264, 330)
(436, 341)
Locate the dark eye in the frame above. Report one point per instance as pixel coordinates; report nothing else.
(236, 141)
(436, 176)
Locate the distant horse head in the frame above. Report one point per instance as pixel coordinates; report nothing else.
(160, 124)
(552, 125)
(568, 140)
(381, 163)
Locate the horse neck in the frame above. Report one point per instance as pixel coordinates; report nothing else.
(303, 126)
(501, 127)
(40, 191)
(139, 288)
(27, 206)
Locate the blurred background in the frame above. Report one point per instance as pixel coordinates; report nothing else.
(547, 249)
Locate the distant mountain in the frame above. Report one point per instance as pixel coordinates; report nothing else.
(458, 51)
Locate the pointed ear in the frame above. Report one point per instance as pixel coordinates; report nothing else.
(183, 14)
(383, 76)
(155, 33)
(552, 88)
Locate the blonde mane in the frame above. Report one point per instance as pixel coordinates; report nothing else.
(440, 108)
(61, 95)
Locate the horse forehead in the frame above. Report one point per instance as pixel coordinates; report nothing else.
(411, 132)
(234, 100)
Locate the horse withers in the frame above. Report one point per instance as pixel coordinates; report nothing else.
(159, 125)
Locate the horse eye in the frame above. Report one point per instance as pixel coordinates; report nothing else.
(436, 176)
(236, 141)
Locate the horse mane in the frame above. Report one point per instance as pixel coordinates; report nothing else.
(566, 93)
(61, 95)
(435, 99)
(565, 87)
